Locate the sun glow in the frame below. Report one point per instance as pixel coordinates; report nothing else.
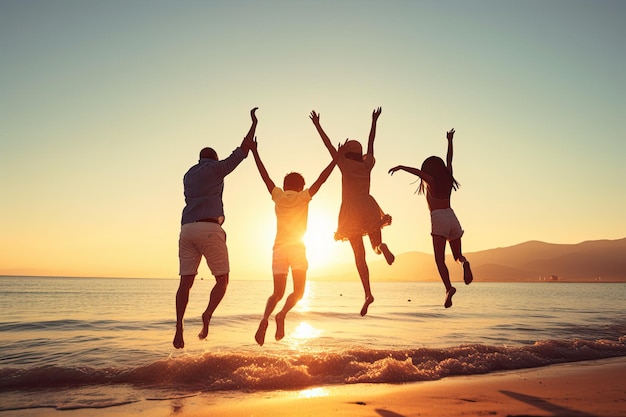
(304, 305)
(313, 393)
(319, 240)
(306, 331)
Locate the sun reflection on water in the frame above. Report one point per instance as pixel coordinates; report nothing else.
(304, 305)
(303, 331)
(301, 335)
(306, 331)
(313, 393)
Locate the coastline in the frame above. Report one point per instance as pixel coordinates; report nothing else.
(587, 388)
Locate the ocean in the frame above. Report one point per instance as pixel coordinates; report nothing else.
(79, 343)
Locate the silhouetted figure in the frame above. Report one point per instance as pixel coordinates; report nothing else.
(291, 207)
(439, 181)
(359, 214)
(201, 231)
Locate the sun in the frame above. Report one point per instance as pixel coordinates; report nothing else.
(319, 239)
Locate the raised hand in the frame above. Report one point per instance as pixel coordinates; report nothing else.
(254, 145)
(341, 145)
(450, 134)
(315, 117)
(394, 169)
(376, 113)
(248, 144)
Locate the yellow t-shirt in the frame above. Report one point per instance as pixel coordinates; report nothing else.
(292, 210)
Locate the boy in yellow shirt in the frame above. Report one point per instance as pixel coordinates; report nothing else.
(292, 208)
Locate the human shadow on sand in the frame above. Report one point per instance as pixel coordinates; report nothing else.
(542, 404)
(387, 413)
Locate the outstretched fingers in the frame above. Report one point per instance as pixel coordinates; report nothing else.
(450, 134)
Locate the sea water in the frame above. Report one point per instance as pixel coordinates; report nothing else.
(71, 343)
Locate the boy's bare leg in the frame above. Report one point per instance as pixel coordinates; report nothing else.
(299, 281)
(280, 282)
(182, 298)
(217, 293)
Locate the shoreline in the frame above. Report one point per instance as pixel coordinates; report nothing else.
(584, 389)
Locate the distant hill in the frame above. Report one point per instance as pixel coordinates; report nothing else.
(598, 260)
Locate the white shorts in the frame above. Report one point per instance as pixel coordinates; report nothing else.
(445, 223)
(293, 256)
(203, 239)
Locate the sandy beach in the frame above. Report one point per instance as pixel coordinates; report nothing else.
(590, 388)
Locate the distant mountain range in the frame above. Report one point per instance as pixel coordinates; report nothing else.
(598, 260)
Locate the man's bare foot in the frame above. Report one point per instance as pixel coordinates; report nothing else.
(260, 333)
(467, 273)
(179, 342)
(449, 295)
(205, 327)
(368, 300)
(280, 325)
(389, 257)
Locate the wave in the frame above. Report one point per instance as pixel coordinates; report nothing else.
(245, 371)
(74, 324)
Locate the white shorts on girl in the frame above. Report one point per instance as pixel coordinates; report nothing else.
(445, 223)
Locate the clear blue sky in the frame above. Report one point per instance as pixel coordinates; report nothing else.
(105, 105)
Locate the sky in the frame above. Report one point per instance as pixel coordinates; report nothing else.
(105, 105)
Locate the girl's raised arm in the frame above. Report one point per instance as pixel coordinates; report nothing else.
(315, 118)
(449, 136)
(417, 172)
(370, 143)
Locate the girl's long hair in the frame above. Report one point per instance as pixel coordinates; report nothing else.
(435, 167)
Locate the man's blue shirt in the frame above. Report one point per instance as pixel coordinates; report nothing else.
(204, 185)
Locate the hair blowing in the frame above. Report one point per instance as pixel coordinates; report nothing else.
(435, 167)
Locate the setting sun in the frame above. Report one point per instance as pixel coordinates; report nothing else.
(319, 241)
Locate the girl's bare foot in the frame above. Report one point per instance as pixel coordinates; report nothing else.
(260, 333)
(467, 273)
(389, 257)
(449, 295)
(368, 300)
